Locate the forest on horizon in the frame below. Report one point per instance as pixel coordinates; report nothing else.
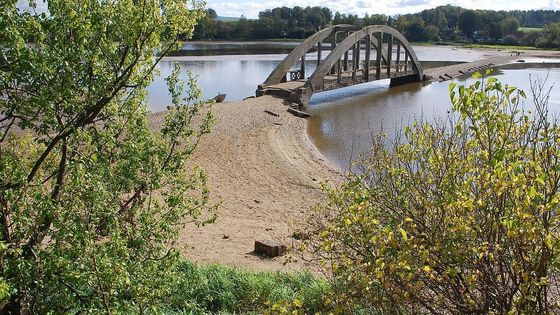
(539, 28)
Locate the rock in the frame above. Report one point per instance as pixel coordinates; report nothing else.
(225, 237)
(269, 248)
(300, 235)
(271, 113)
(298, 113)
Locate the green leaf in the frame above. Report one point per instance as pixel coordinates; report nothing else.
(452, 86)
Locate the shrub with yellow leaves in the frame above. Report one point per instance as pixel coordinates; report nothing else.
(455, 218)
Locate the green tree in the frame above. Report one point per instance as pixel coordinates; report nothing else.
(416, 29)
(468, 22)
(402, 24)
(510, 25)
(431, 32)
(440, 20)
(457, 218)
(550, 37)
(496, 30)
(91, 198)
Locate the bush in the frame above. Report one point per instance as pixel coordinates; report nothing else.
(459, 218)
(510, 40)
(550, 36)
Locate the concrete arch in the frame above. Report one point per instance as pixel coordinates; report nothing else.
(297, 53)
(315, 81)
(331, 73)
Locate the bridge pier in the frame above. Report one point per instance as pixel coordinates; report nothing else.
(405, 80)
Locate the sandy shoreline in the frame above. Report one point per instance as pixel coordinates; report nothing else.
(266, 173)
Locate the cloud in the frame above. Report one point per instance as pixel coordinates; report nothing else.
(251, 8)
(553, 5)
(405, 3)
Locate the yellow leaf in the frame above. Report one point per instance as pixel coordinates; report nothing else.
(403, 234)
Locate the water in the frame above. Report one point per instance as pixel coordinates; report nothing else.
(343, 120)
(342, 127)
(234, 48)
(237, 68)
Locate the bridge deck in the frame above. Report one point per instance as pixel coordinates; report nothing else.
(449, 72)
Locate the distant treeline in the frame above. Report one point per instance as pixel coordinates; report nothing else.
(284, 22)
(441, 24)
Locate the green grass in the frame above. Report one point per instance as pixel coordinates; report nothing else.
(527, 30)
(501, 47)
(217, 289)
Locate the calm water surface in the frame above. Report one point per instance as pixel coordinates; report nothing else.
(343, 120)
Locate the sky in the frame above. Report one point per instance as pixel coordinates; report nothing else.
(251, 8)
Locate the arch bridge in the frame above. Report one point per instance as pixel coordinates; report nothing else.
(387, 55)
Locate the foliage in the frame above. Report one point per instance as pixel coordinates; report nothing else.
(510, 25)
(468, 22)
(456, 218)
(91, 199)
(280, 22)
(218, 289)
(550, 36)
(510, 40)
(447, 23)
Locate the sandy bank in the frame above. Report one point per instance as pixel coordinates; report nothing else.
(266, 173)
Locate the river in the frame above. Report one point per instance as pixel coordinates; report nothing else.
(343, 120)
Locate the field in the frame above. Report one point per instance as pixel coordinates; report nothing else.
(527, 30)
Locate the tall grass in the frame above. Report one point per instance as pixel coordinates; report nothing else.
(216, 289)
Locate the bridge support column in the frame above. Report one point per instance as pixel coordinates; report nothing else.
(302, 68)
(358, 50)
(389, 55)
(319, 45)
(378, 58)
(355, 60)
(333, 46)
(368, 56)
(405, 61)
(398, 65)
